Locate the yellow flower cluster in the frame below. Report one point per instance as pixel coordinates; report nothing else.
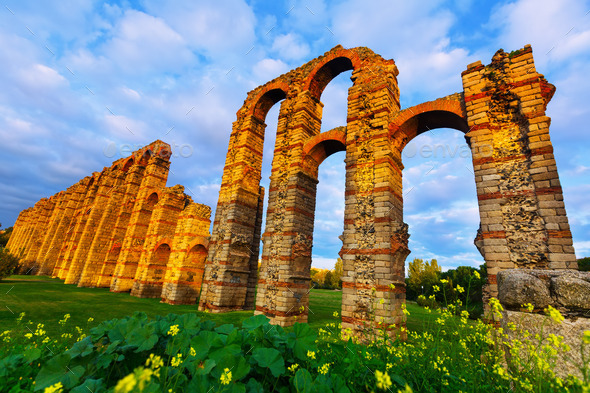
(554, 314)
(55, 388)
(293, 367)
(383, 380)
(176, 360)
(324, 369)
(63, 322)
(311, 354)
(173, 330)
(225, 377)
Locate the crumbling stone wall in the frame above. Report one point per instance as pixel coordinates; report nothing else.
(501, 110)
(119, 228)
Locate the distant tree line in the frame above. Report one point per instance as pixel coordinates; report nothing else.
(327, 279)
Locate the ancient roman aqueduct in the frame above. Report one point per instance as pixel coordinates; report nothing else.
(122, 228)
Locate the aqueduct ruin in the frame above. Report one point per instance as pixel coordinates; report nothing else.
(122, 228)
(501, 110)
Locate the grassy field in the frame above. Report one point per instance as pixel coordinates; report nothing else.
(46, 300)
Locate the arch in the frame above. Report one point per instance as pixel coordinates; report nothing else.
(153, 198)
(128, 164)
(269, 95)
(145, 157)
(199, 240)
(448, 112)
(165, 241)
(329, 67)
(320, 147)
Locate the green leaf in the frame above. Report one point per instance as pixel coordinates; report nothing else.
(253, 386)
(269, 358)
(56, 370)
(89, 385)
(255, 321)
(206, 368)
(304, 340)
(82, 348)
(225, 329)
(302, 381)
(31, 354)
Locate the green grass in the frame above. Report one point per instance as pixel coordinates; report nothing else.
(46, 300)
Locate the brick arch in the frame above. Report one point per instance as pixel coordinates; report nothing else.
(162, 241)
(321, 146)
(128, 164)
(337, 61)
(448, 112)
(270, 94)
(199, 240)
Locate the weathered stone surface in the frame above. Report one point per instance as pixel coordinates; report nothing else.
(571, 291)
(516, 287)
(120, 228)
(570, 329)
(566, 290)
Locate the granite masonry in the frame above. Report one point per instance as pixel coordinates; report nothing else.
(120, 228)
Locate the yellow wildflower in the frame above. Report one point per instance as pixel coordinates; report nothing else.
(55, 388)
(586, 337)
(528, 307)
(155, 360)
(176, 360)
(29, 335)
(193, 352)
(381, 301)
(225, 377)
(554, 314)
(173, 330)
(335, 314)
(391, 286)
(126, 384)
(90, 319)
(460, 289)
(405, 310)
(324, 369)
(444, 281)
(435, 288)
(65, 320)
(311, 354)
(383, 380)
(476, 274)
(293, 367)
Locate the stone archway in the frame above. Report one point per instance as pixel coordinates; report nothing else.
(502, 113)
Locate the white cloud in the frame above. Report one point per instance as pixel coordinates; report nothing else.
(268, 69)
(290, 46)
(143, 43)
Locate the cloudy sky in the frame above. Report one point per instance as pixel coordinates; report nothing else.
(85, 82)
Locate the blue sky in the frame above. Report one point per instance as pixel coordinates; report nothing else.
(85, 82)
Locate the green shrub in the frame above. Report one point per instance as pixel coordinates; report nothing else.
(8, 263)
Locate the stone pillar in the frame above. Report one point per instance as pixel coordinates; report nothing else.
(64, 231)
(184, 274)
(122, 211)
(109, 206)
(44, 208)
(56, 217)
(523, 219)
(20, 228)
(155, 176)
(284, 283)
(106, 184)
(149, 277)
(234, 239)
(375, 237)
(77, 227)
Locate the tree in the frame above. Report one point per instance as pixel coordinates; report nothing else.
(584, 264)
(422, 276)
(337, 274)
(4, 236)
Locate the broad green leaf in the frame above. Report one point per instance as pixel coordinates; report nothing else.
(57, 370)
(225, 329)
(269, 358)
(302, 381)
(82, 348)
(90, 385)
(255, 321)
(31, 354)
(253, 386)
